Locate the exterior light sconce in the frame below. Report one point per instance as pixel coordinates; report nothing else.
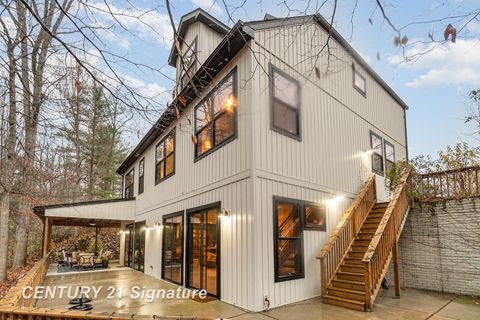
(224, 213)
(368, 151)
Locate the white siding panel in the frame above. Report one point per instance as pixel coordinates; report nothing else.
(236, 243)
(290, 291)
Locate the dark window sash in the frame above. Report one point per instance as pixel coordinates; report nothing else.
(211, 124)
(161, 164)
(274, 99)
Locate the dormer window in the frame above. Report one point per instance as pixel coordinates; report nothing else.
(190, 63)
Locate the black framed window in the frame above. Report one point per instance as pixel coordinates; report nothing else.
(288, 240)
(359, 81)
(165, 157)
(129, 179)
(377, 153)
(389, 156)
(190, 60)
(215, 116)
(315, 216)
(285, 103)
(141, 174)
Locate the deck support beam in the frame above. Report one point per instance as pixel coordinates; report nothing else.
(47, 235)
(396, 273)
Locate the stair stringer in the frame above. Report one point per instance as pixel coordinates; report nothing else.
(387, 264)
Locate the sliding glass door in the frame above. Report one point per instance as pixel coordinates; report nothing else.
(139, 246)
(203, 249)
(127, 258)
(172, 248)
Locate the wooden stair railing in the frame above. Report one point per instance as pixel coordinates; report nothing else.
(384, 242)
(340, 240)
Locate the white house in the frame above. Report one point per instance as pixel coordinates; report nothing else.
(275, 127)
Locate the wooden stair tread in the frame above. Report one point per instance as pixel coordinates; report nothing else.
(350, 281)
(351, 273)
(356, 302)
(345, 290)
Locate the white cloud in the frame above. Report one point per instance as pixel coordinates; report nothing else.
(453, 64)
(147, 24)
(208, 5)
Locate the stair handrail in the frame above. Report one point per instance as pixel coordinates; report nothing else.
(335, 248)
(380, 249)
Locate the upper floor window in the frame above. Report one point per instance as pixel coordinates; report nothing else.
(389, 156)
(165, 157)
(190, 63)
(141, 174)
(359, 81)
(129, 179)
(215, 116)
(285, 103)
(377, 153)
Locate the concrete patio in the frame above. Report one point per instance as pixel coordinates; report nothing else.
(414, 304)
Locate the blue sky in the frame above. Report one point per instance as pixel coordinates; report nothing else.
(434, 86)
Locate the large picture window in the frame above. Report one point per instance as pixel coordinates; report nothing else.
(141, 174)
(377, 153)
(389, 156)
(288, 241)
(215, 117)
(129, 179)
(285, 103)
(165, 157)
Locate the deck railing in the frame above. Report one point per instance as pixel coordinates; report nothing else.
(32, 278)
(380, 250)
(341, 238)
(449, 184)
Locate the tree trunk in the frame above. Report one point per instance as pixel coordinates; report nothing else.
(21, 234)
(4, 213)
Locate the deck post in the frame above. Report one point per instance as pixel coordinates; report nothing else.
(47, 234)
(395, 270)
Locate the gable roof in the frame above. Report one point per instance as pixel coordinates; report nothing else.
(233, 41)
(197, 15)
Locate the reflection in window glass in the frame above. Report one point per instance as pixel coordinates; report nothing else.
(141, 173)
(359, 81)
(129, 178)
(165, 157)
(389, 156)
(215, 116)
(315, 217)
(285, 102)
(377, 152)
(288, 254)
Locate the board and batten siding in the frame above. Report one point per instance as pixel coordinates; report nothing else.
(223, 175)
(236, 241)
(331, 157)
(225, 164)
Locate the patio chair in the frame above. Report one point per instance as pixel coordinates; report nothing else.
(73, 260)
(86, 260)
(98, 258)
(64, 260)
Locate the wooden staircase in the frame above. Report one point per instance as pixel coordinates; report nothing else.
(349, 276)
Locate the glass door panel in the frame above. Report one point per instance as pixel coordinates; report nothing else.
(172, 256)
(127, 259)
(203, 250)
(139, 246)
